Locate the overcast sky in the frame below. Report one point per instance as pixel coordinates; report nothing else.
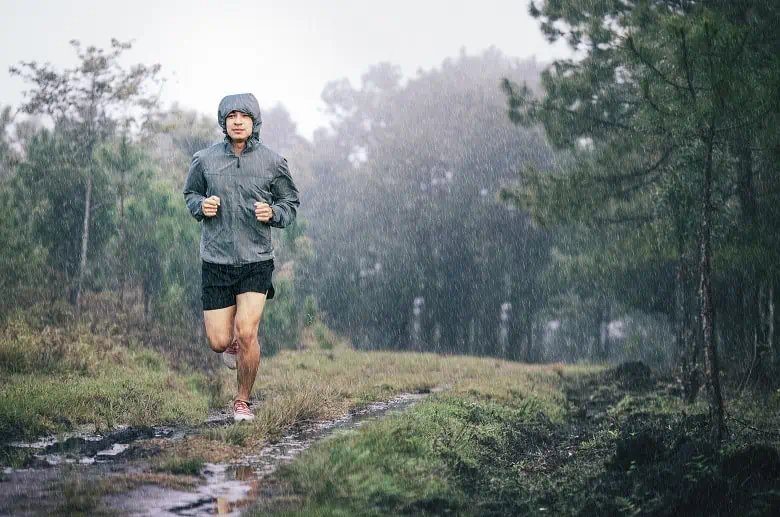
(284, 51)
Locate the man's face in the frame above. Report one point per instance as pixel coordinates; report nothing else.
(239, 125)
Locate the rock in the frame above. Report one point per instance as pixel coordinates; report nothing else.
(632, 375)
(640, 449)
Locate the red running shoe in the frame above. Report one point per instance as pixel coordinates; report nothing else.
(242, 412)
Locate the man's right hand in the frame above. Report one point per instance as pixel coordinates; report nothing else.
(210, 205)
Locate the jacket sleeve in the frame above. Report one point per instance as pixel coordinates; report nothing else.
(195, 188)
(285, 197)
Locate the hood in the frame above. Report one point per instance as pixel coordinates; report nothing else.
(245, 103)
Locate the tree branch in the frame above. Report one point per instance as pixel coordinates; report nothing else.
(637, 173)
(652, 67)
(641, 219)
(601, 121)
(744, 123)
(688, 76)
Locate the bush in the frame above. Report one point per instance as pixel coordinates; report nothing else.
(310, 311)
(323, 336)
(26, 350)
(280, 320)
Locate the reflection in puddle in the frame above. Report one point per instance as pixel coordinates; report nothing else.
(86, 448)
(229, 488)
(223, 506)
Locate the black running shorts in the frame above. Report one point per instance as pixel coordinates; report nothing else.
(222, 283)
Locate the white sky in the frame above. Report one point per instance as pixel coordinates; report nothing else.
(284, 51)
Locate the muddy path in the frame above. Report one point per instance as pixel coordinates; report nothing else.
(111, 474)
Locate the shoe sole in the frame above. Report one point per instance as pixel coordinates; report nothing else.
(238, 419)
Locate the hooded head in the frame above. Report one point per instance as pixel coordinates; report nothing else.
(245, 103)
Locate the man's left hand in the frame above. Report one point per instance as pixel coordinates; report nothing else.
(263, 212)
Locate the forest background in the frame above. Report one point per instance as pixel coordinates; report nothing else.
(618, 205)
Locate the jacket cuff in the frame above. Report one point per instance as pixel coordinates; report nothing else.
(277, 217)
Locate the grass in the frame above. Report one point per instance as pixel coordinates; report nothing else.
(181, 466)
(56, 379)
(100, 374)
(297, 386)
(451, 455)
(495, 437)
(617, 450)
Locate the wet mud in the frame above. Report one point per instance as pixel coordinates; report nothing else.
(82, 460)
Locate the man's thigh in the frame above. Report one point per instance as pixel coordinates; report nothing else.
(219, 326)
(249, 310)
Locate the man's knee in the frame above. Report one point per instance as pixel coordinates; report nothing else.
(220, 343)
(247, 333)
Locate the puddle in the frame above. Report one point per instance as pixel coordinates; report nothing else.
(86, 448)
(230, 487)
(227, 488)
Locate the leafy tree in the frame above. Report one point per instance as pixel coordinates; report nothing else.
(8, 156)
(86, 102)
(662, 91)
(46, 186)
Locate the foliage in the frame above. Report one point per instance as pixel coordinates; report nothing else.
(663, 107)
(86, 104)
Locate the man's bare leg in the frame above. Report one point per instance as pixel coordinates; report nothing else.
(219, 327)
(247, 321)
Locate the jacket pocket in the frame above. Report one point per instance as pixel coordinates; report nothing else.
(252, 190)
(214, 232)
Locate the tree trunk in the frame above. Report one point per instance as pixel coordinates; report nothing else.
(122, 245)
(84, 245)
(599, 343)
(712, 369)
(529, 337)
(606, 316)
(687, 340)
(771, 323)
(146, 292)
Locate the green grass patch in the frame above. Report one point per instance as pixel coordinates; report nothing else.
(445, 456)
(57, 379)
(233, 435)
(618, 449)
(297, 386)
(181, 466)
(15, 457)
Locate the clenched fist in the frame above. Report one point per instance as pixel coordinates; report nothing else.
(210, 205)
(263, 212)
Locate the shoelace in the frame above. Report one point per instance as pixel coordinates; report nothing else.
(240, 407)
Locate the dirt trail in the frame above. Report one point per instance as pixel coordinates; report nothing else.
(63, 475)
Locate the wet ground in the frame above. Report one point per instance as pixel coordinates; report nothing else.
(82, 460)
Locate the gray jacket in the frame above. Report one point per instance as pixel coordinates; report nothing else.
(234, 236)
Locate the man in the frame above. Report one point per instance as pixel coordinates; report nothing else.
(238, 189)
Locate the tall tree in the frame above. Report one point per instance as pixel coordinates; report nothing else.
(659, 83)
(87, 102)
(8, 156)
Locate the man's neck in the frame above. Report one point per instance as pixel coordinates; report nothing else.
(238, 146)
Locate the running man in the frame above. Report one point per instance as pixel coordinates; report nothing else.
(238, 189)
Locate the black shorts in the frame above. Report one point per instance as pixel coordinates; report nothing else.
(221, 283)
